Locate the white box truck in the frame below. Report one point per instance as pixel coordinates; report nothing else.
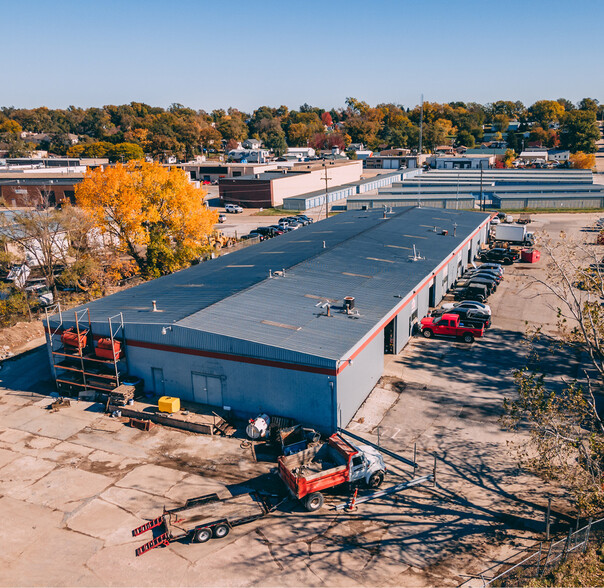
(514, 234)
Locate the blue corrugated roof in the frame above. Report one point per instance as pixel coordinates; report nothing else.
(365, 256)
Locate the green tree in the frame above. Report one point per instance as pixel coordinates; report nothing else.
(579, 131)
(589, 104)
(125, 152)
(274, 140)
(514, 142)
(465, 138)
(233, 128)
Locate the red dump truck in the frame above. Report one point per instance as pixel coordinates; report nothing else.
(336, 462)
(450, 325)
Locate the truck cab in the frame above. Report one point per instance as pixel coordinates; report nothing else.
(367, 463)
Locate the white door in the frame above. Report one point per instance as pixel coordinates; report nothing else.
(206, 389)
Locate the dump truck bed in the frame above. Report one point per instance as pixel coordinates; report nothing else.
(210, 509)
(317, 468)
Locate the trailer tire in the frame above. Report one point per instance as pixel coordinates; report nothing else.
(376, 479)
(313, 501)
(427, 333)
(202, 535)
(468, 338)
(220, 531)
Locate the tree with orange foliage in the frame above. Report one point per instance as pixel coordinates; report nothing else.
(581, 160)
(151, 212)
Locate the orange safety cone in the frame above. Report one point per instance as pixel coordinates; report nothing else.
(353, 500)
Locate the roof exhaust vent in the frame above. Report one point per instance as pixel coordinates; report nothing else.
(416, 255)
(323, 244)
(154, 303)
(348, 303)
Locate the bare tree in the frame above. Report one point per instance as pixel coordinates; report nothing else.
(566, 430)
(39, 233)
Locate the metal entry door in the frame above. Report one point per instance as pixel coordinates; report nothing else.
(158, 380)
(206, 389)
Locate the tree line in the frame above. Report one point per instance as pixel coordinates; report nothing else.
(130, 131)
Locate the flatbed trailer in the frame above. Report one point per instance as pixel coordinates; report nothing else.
(204, 518)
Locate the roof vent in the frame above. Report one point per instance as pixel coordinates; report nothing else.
(348, 303)
(416, 255)
(154, 303)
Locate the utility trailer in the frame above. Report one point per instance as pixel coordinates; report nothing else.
(205, 517)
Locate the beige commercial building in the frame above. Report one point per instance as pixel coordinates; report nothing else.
(263, 190)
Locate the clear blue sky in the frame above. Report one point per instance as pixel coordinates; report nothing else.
(210, 55)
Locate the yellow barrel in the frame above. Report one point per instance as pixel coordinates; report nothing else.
(168, 404)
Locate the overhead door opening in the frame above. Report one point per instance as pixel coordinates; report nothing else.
(389, 338)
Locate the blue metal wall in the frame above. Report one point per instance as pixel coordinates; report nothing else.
(247, 389)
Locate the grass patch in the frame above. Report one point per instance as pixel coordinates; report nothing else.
(579, 570)
(276, 212)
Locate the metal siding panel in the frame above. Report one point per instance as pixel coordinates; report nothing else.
(356, 381)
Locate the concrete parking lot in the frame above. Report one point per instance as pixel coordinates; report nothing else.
(73, 483)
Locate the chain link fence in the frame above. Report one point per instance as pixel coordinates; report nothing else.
(547, 555)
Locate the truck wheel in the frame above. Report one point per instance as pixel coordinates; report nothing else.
(427, 333)
(314, 501)
(202, 535)
(376, 479)
(221, 531)
(468, 338)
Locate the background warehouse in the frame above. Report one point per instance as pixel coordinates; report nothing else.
(230, 332)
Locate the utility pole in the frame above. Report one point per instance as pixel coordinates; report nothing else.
(481, 200)
(326, 189)
(421, 130)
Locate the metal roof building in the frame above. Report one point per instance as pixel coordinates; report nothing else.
(510, 189)
(265, 329)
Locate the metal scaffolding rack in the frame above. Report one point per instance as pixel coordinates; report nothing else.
(78, 367)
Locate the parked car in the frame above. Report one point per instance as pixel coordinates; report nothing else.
(469, 316)
(495, 221)
(476, 292)
(290, 226)
(253, 235)
(235, 208)
(268, 232)
(449, 325)
(499, 254)
(222, 217)
(278, 230)
(491, 285)
(305, 218)
(494, 266)
(468, 304)
(482, 274)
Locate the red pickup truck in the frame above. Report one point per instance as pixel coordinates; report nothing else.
(449, 325)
